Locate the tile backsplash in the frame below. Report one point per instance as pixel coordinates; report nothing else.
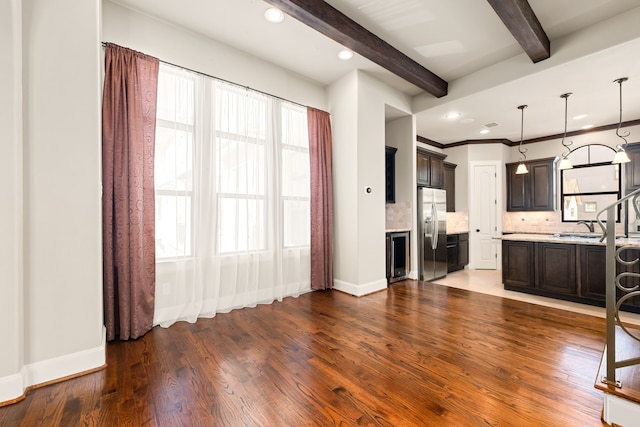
(457, 222)
(543, 222)
(398, 216)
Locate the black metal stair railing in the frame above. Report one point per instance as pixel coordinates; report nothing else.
(618, 289)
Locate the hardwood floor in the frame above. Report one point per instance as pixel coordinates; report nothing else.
(415, 354)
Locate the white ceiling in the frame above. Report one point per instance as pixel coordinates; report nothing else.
(593, 42)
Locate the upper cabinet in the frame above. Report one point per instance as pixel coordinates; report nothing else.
(430, 168)
(390, 174)
(532, 191)
(450, 185)
(632, 169)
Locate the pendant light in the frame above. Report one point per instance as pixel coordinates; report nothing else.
(522, 168)
(621, 155)
(565, 163)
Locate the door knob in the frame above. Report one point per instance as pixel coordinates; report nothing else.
(477, 230)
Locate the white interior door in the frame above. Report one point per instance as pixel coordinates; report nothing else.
(483, 216)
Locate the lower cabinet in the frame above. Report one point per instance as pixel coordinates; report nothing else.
(457, 251)
(556, 269)
(517, 264)
(592, 271)
(565, 271)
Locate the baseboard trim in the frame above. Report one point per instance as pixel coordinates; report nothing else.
(618, 411)
(14, 388)
(359, 290)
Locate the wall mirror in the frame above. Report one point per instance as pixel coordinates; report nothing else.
(592, 184)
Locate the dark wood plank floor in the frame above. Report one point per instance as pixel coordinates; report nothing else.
(414, 355)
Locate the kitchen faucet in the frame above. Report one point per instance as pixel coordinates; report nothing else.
(589, 224)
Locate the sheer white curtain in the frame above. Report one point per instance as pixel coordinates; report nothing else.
(232, 198)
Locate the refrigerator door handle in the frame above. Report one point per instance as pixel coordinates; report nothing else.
(434, 232)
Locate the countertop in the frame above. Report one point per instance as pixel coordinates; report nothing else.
(574, 238)
(401, 230)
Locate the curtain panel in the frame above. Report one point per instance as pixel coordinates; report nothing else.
(321, 199)
(128, 138)
(232, 198)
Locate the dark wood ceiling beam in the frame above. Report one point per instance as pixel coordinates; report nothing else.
(329, 21)
(523, 23)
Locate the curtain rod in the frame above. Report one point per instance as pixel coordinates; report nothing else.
(104, 44)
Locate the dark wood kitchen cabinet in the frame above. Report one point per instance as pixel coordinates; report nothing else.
(572, 272)
(429, 168)
(517, 264)
(630, 282)
(450, 185)
(592, 271)
(532, 191)
(457, 251)
(390, 174)
(632, 169)
(556, 267)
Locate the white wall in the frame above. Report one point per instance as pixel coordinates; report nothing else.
(190, 50)
(11, 263)
(554, 148)
(343, 96)
(58, 326)
(361, 153)
(400, 133)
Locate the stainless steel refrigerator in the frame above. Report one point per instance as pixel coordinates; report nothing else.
(432, 229)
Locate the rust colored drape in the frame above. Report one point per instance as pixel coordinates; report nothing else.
(128, 205)
(321, 199)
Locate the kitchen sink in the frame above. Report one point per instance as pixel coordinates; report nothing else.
(579, 235)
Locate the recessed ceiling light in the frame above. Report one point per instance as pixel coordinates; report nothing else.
(273, 15)
(345, 54)
(452, 115)
(586, 127)
(483, 131)
(579, 117)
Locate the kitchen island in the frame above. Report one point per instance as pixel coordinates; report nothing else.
(571, 266)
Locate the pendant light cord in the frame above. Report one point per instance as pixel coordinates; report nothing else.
(567, 144)
(625, 135)
(520, 149)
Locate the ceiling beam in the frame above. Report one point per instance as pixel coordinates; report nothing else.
(329, 21)
(523, 23)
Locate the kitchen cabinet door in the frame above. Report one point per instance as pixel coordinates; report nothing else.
(629, 282)
(437, 173)
(450, 185)
(556, 268)
(463, 249)
(429, 168)
(390, 174)
(423, 168)
(532, 191)
(517, 264)
(517, 190)
(632, 169)
(592, 271)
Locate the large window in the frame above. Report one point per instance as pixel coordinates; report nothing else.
(173, 164)
(231, 169)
